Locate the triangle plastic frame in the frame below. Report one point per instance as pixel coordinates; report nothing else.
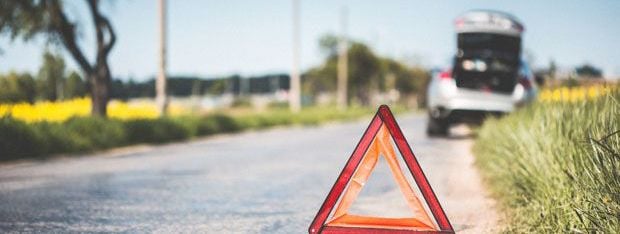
(383, 116)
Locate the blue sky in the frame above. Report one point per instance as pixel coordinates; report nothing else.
(213, 38)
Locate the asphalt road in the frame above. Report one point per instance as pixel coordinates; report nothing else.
(270, 181)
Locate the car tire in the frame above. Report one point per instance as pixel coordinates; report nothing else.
(437, 127)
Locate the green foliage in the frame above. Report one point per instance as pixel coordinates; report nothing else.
(217, 87)
(364, 72)
(50, 83)
(329, 45)
(556, 166)
(588, 70)
(258, 121)
(59, 139)
(552, 70)
(209, 125)
(407, 80)
(242, 102)
(18, 139)
(226, 123)
(21, 140)
(24, 18)
(155, 130)
(96, 132)
(28, 18)
(320, 79)
(51, 76)
(75, 86)
(16, 87)
(368, 73)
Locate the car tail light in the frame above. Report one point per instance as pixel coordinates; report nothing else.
(445, 75)
(526, 83)
(459, 23)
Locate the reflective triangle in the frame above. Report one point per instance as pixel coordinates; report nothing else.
(376, 142)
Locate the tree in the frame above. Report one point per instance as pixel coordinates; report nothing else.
(74, 86)
(553, 68)
(364, 72)
(368, 73)
(320, 80)
(329, 45)
(408, 80)
(218, 87)
(30, 18)
(16, 87)
(589, 71)
(51, 77)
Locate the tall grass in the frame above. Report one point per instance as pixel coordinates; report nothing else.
(555, 167)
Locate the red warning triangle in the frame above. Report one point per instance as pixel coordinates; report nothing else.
(376, 143)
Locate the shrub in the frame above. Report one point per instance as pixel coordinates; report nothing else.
(59, 139)
(277, 118)
(207, 126)
(95, 133)
(18, 139)
(155, 130)
(242, 102)
(189, 123)
(279, 105)
(226, 123)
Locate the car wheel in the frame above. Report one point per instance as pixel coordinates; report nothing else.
(437, 127)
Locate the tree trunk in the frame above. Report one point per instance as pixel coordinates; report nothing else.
(98, 74)
(100, 86)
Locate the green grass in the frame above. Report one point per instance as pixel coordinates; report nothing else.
(19, 140)
(555, 167)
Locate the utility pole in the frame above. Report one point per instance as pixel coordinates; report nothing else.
(295, 82)
(343, 70)
(160, 85)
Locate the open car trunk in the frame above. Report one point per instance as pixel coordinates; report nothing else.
(487, 62)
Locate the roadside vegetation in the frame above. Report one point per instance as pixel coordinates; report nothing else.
(51, 112)
(555, 166)
(20, 139)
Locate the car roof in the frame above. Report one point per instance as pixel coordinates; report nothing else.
(488, 21)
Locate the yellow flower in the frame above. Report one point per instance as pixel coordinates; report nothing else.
(63, 110)
(575, 94)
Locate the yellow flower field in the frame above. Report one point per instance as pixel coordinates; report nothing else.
(63, 110)
(573, 94)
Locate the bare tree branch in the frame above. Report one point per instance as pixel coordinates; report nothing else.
(102, 23)
(94, 10)
(112, 39)
(66, 31)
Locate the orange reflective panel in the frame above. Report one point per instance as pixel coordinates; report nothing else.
(381, 146)
(381, 139)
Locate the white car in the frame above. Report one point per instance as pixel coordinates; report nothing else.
(487, 77)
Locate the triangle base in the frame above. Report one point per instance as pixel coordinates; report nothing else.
(365, 230)
(379, 222)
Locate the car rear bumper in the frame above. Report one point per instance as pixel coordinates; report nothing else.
(472, 103)
(471, 116)
(489, 104)
(478, 100)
